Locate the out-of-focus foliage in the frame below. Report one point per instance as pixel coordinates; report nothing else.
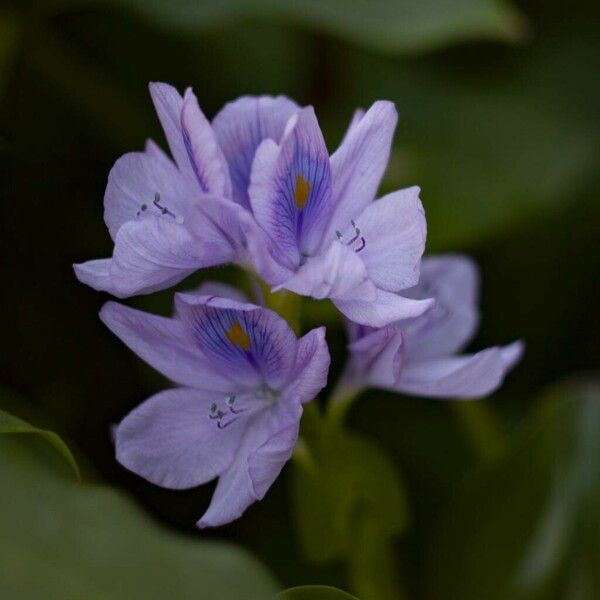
(62, 540)
(390, 25)
(349, 503)
(492, 142)
(527, 527)
(499, 110)
(9, 424)
(315, 592)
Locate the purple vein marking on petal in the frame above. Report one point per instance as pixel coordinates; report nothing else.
(188, 146)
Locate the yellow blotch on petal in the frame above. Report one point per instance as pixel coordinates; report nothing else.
(238, 337)
(301, 192)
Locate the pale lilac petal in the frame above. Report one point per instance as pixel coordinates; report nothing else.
(394, 230)
(164, 344)
(290, 190)
(263, 192)
(204, 152)
(358, 114)
(335, 273)
(266, 446)
(95, 273)
(512, 354)
(312, 366)
(384, 309)
(260, 254)
(450, 324)
(266, 462)
(133, 183)
(171, 441)
(468, 376)
(241, 126)
(248, 343)
(377, 357)
(357, 166)
(153, 253)
(169, 104)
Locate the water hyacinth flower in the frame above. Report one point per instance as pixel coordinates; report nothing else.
(244, 377)
(169, 218)
(257, 187)
(325, 236)
(419, 356)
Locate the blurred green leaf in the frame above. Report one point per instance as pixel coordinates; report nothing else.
(11, 424)
(340, 479)
(514, 529)
(10, 31)
(388, 25)
(349, 503)
(492, 140)
(60, 540)
(315, 592)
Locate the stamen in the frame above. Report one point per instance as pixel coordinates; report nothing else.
(163, 209)
(230, 401)
(222, 425)
(143, 208)
(215, 414)
(357, 237)
(357, 231)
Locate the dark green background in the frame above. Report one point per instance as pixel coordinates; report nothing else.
(499, 125)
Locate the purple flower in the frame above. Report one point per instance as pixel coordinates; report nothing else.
(418, 356)
(245, 377)
(322, 233)
(169, 218)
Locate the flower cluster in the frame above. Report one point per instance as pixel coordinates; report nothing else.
(257, 187)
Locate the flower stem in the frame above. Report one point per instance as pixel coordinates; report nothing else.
(287, 304)
(481, 428)
(342, 398)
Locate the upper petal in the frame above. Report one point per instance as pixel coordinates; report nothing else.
(134, 182)
(205, 155)
(241, 126)
(311, 368)
(290, 189)
(171, 440)
(469, 376)
(249, 344)
(394, 231)
(357, 166)
(164, 344)
(384, 309)
(169, 104)
(450, 324)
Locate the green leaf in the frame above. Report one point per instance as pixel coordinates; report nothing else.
(339, 480)
(60, 540)
(492, 140)
(11, 424)
(315, 592)
(349, 504)
(387, 25)
(520, 529)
